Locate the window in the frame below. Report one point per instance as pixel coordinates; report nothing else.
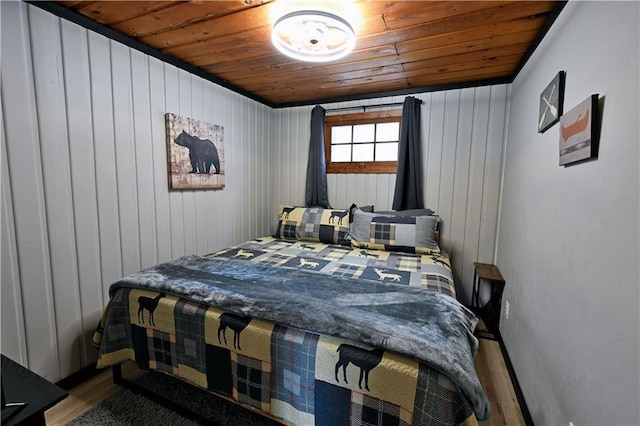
(362, 143)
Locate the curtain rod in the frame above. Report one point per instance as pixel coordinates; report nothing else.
(365, 107)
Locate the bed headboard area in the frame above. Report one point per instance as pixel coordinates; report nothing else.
(409, 231)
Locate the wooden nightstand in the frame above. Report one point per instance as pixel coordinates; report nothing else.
(490, 312)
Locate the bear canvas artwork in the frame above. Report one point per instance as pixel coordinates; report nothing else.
(195, 151)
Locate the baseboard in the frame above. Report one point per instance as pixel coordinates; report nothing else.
(528, 421)
(79, 377)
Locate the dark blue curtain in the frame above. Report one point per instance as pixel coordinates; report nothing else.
(408, 192)
(316, 188)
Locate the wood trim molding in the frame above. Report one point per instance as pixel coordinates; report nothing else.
(387, 167)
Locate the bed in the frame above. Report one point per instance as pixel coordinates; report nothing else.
(340, 317)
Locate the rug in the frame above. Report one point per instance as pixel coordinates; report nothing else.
(129, 408)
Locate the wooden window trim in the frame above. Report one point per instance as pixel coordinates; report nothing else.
(359, 118)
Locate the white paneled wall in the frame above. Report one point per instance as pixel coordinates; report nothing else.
(84, 179)
(462, 134)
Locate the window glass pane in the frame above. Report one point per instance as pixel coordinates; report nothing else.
(388, 132)
(340, 153)
(340, 134)
(387, 151)
(363, 132)
(363, 152)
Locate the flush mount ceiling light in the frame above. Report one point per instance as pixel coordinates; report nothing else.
(313, 36)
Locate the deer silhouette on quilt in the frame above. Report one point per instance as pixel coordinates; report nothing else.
(365, 253)
(243, 253)
(366, 360)
(383, 274)
(437, 261)
(150, 304)
(309, 263)
(339, 215)
(235, 323)
(286, 211)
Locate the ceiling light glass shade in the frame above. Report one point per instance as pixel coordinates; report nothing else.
(313, 36)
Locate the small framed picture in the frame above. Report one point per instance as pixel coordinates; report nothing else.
(579, 132)
(551, 100)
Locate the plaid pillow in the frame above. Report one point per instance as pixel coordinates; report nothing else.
(312, 224)
(409, 234)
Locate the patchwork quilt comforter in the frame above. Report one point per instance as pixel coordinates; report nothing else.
(307, 332)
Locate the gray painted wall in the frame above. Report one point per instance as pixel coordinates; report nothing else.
(568, 238)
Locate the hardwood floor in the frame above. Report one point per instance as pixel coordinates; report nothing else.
(85, 396)
(489, 363)
(494, 376)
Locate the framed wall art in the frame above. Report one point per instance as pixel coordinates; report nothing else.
(551, 100)
(579, 132)
(195, 151)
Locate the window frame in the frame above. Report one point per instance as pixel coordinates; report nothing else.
(375, 117)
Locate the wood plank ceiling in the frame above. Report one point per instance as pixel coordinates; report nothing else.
(402, 46)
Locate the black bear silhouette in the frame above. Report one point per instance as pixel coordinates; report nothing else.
(150, 304)
(362, 358)
(202, 153)
(234, 322)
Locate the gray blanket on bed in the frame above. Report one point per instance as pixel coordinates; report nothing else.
(429, 326)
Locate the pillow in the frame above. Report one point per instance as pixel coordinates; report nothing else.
(354, 207)
(410, 212)
(312, 224)
(409, 234)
